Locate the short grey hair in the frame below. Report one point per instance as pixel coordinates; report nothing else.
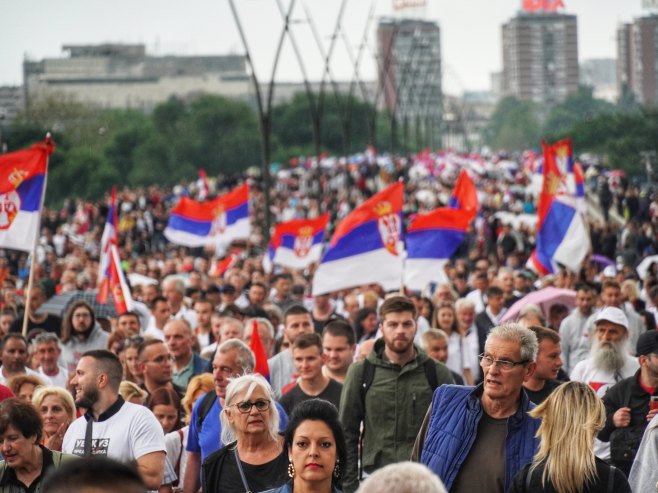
(177, 281)
(246, 359)
(464, 303)
(234, 322)
(403, 477)
(516, 332)
(46, 338)
(247, 384)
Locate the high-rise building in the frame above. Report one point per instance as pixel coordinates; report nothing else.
(600, 74)
(125, 76)
(409, 59)
(637, 59)
(540, 57)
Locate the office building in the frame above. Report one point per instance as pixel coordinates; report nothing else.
(540, 57)
(637, 64)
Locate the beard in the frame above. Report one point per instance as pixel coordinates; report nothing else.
(609, 356)
(88, 398)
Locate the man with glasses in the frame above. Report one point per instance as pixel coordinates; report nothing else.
(156, 365)
(48, 352)
(478, 439)
(232, 359)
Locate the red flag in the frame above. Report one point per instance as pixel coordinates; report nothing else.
(118, 285)
(256, 346)
(464, 196)
(108, 239)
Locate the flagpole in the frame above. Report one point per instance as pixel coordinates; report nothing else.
(30, 279)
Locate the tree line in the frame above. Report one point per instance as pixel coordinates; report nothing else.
(97, 148)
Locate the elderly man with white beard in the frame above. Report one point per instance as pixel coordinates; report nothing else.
(609, 360)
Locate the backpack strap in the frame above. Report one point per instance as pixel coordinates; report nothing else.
(204, 408)
(611, 479)
(430, 373)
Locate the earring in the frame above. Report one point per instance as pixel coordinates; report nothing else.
(291, 470)
(337, 469)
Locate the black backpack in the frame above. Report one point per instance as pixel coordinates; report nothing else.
(204, 408)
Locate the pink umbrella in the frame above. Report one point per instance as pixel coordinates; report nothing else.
(544, 298)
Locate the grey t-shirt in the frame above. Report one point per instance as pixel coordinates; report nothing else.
(484, 468)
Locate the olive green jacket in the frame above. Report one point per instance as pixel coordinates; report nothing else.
(395, 405)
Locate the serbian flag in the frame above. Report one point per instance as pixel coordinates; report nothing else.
(552, 179)
(202, 185)
(464, 195)
(431, 240)
(120, 291)
(562, 238)
(260, 355)
(109, 238)
(366, 247)
(298, 243)
(22, 187)
(218, 221)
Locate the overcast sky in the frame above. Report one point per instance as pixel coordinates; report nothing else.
(470, 32)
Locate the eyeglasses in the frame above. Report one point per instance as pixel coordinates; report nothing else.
(486, 361)
(245, 406)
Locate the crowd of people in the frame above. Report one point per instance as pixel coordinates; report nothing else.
(358, 382)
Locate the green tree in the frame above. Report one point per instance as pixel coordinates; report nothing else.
(582, 106)
(514, 125)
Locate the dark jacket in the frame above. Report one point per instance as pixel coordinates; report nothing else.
(213, 470)
(608, 479)
(395, 405)
(452, 430)
(624, 442)
(484, 325)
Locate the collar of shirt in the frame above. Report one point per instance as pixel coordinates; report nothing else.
(109, 412)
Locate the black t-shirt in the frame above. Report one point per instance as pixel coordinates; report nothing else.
(296, 395)
(259, 477)
(52, 324)
(539, 396)
(603, 482)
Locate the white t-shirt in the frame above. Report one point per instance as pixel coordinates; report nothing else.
(28, 371)
(130, 433)
(59, 380)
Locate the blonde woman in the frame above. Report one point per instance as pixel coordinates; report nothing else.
(565, 463)
(57, 410)
(131, 392)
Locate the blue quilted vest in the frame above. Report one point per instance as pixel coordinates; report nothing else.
(456, 412)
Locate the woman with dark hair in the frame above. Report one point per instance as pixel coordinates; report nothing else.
(316, 448)
(365, 324)
(26, 460)
(165, 404)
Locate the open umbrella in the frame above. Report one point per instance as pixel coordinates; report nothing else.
(602, 260)
(544, 298)
(58, 304)
(643, 268)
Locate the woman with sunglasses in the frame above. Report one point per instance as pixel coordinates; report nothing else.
(255, 458)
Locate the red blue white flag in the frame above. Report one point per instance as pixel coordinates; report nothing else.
(298, 243)
(367, 246)
(22, 181)
(216, 222)
(431, 240)
(108, 239)
(119, 286)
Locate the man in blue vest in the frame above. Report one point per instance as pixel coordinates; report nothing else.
(477, 439)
